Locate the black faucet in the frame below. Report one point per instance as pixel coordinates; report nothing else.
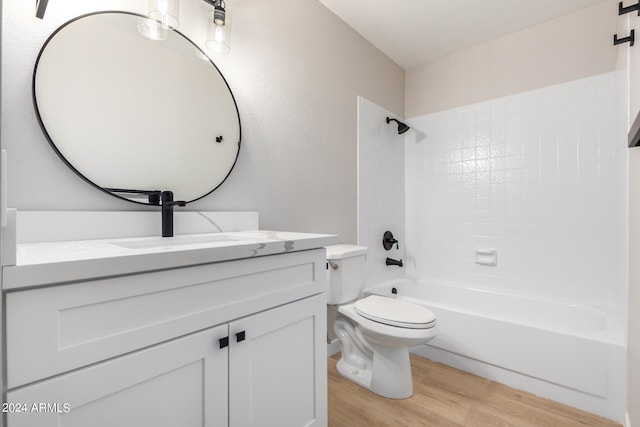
(390, 261)
(166, 199)
(388, 241)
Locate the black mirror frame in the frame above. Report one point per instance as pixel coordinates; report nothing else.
(68, 164)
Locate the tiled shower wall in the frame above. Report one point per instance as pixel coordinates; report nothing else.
(381, 190)
(540, 177)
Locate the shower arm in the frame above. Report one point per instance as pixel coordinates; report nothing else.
(402, 127)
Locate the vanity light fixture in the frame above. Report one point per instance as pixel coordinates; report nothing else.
(151, 29)
(218, 28)
(162, 16)
(41, 7)
(166, 12)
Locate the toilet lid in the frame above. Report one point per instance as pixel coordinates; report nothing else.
(395, 312)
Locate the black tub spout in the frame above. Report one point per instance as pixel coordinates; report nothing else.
(396, 262)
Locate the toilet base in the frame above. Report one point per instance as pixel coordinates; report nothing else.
(362, 377)
(389, 375)
(376, 355)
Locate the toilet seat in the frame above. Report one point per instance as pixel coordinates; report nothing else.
(395, 312)
(385, 334)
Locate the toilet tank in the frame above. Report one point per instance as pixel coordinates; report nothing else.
(345, 273)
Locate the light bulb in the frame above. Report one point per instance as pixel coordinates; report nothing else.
(166, 12)
(218, 33)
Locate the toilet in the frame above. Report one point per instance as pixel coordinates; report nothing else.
(375, 332)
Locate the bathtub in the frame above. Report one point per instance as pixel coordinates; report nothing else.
(565, 352)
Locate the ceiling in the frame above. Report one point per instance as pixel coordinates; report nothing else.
(412, 32)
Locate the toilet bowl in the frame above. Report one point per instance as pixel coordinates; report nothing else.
(375, 332)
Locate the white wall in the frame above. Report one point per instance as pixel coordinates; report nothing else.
(629, 63)
(295, 70)
(634, 288)
(381, 203)
(539, 176)
(564, 49)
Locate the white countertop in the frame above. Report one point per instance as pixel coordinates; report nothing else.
(67, 261)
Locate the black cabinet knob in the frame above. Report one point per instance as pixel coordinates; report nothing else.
(240, 336)
(224, 342)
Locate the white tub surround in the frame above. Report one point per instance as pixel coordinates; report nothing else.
(381, 201)
(108, 328)
(540, 176)
(570, 353)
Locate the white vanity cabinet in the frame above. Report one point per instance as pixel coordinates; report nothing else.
(275, 376)
(238, 343)
(182, 382)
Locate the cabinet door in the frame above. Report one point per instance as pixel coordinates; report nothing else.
(278, 367)
(183, 382)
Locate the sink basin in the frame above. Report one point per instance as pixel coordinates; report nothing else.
(142, 243)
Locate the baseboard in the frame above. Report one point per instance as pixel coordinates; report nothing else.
(333, 347)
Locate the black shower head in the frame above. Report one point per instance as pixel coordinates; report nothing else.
(402, 128)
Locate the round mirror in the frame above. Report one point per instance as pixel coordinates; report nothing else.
(134, 116)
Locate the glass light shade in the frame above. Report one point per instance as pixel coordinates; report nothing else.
(166, 12)
(218, 36)
(151, 29)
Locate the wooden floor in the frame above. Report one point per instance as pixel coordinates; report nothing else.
(444, 396)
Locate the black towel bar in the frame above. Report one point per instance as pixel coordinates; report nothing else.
(627, 9)
(630, 38)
